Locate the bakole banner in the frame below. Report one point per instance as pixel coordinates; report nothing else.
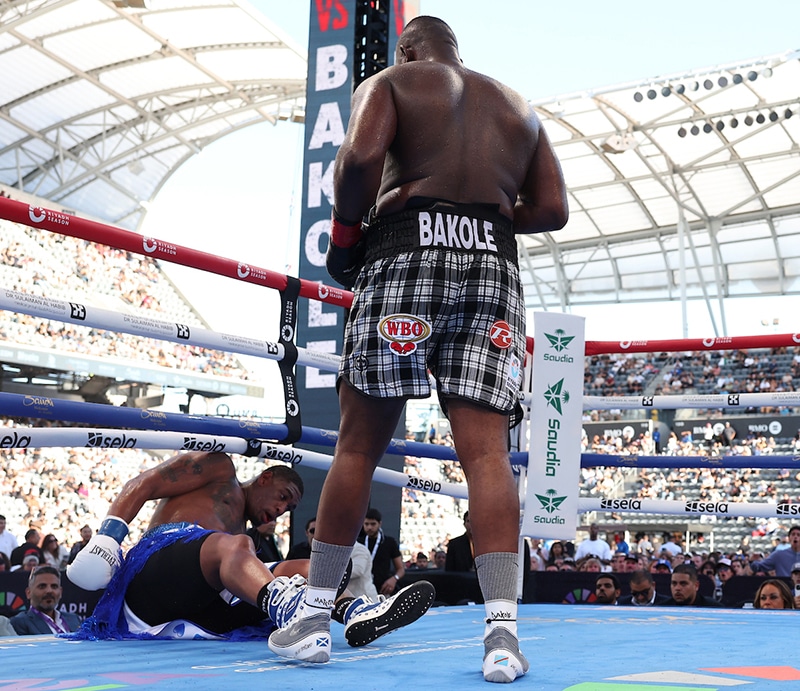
(554, 455)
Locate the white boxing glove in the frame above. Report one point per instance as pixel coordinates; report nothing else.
(96, 563)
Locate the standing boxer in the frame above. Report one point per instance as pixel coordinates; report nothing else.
(453, 164)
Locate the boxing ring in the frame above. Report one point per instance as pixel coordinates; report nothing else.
(666, 648)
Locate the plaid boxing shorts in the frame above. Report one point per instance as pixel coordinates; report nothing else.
(454, 307)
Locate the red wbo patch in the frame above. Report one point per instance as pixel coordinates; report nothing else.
(403, 332)
(500, 335)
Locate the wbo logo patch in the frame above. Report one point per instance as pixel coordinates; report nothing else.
(403, 332)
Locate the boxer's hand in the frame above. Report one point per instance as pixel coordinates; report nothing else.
(96, 563)
(346, 251)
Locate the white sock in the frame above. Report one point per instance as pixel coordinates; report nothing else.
(501, 613)
(317, 600)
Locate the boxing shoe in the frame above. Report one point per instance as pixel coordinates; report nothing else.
(303, 637)
(365, 620)
(502, 660)
(285, 596)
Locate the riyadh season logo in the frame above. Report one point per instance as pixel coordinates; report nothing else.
(559, 340)
(549, 501)
(556, 396)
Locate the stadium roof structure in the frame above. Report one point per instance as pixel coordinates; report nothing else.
(680, 187)
(102, 100)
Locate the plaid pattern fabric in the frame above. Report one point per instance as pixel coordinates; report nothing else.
(466, 299)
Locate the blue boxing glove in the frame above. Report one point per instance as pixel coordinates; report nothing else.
(96, 563)
(346, 251)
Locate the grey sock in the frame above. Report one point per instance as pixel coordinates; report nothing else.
(328, 563)
(497, 575)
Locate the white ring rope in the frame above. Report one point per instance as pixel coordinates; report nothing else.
(85, 315)
(103, 438)
(731, 400)
(743, 509)
(81, 314)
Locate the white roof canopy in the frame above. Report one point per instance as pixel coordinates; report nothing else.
(101, 102)
(707, 161)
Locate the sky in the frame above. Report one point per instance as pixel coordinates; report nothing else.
(239, 197)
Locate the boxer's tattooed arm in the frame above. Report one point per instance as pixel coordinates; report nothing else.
(179, 468)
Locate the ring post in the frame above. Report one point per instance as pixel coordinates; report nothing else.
(554, 451)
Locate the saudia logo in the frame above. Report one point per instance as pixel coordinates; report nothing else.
(549, 501)
(556, 396)
(111, 441)
(559, 341)
(552, 461)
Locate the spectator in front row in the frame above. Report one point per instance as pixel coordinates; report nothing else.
(685, 587)
(439, 559)
(606, 589)
(44, 593)
(5, 623)
(420, 563)
(86, 535)
(55, 554)
(643, 591)
(795, 583)
(31, 546)
(781, 561)
(593, 546)
(8, 543)
(773, 594)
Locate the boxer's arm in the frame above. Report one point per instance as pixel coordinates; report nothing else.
(96, 564)
(542, 202)
(359, 162)
(178, 475)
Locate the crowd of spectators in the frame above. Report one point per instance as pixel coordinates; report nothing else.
(38, 262)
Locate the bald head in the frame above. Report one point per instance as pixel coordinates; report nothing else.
(424, 36)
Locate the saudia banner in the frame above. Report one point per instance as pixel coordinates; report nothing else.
(554, 456)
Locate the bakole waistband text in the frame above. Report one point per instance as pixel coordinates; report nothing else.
(454, 231)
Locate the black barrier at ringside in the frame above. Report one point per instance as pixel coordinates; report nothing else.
(572, 587)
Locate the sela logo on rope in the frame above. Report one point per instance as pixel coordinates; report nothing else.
(403, 332)
(500, 335)
(635, 504)
(111, 441)
(706, 507)
(77, 311)
(424, 485)
(788, 509)
(14, 441)
(195, 444)
(287, 455)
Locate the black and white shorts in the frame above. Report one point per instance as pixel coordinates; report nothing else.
(459, 314)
